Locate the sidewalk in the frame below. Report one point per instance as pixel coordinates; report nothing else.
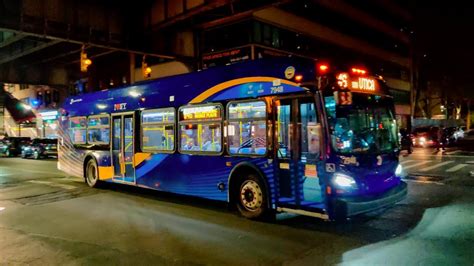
(445, 236)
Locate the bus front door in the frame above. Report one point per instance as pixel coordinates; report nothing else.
(123, 147)
(298, 149)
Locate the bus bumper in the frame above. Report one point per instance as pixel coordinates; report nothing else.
(346, 207)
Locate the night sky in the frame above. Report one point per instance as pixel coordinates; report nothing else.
(446, 35)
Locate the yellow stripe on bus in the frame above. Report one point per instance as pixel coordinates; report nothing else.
(106, 172)
(139, 157)
(225, 85)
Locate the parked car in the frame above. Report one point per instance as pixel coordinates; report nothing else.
(453, 134)
(425, 136)
(406, 140)
(40, 148)
(467, 143)
(12, 146)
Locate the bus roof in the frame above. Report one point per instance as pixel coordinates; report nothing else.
(249, 79)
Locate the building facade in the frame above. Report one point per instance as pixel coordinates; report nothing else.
(376, 35)
(44, 101)
(167, 37)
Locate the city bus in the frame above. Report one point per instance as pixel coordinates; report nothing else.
(266, 136)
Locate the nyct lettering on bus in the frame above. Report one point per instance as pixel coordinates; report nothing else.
(266, 136)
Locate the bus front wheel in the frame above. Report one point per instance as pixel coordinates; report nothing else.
(251, 199)
(92, 174)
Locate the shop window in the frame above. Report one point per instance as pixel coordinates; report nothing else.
(247, 130)
(158, 127)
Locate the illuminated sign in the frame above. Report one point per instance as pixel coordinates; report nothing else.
(361, 84)
(49, 115)
(343, 80)
(365, 84)
(202, 112)
(290, 72)
(343, 97)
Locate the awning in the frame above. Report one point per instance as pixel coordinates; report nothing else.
(18, 110)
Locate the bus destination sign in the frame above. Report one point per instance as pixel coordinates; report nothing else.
(359, 84)
(202, 112)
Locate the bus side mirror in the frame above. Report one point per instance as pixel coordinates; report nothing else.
(315, 139)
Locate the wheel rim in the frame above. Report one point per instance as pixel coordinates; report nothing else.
(91, 174)
(251, 195)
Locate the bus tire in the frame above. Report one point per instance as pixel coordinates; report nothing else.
(91, 174)
(251, 198)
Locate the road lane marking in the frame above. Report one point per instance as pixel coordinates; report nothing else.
(435, 166)
(424, 182)
(438, 155)
(456, 167)
(51, 184)
(416, 164)
(22, 171)
(453, 152)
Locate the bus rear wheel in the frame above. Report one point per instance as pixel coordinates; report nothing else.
(251, 198)
(92, 174)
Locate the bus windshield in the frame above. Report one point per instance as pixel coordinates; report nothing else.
(366, 126)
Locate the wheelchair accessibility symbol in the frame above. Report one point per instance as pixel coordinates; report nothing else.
(330, 168)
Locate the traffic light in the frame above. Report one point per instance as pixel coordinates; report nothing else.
(47, 98)
(39, 98)
(85, 62)
(55, 96)
(146, 70)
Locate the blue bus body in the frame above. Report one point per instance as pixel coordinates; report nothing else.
(291, 182)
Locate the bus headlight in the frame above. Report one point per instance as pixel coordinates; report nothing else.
(343, 181)
(399, 170)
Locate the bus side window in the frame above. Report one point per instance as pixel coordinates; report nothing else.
(310, 131)
(98, 129)
(158, 130)
(200, 129)
(247, 129)
(77, 129)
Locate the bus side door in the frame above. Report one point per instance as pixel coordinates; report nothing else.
(123, 147)
(297, 141)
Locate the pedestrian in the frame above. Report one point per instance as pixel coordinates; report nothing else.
(441, 139)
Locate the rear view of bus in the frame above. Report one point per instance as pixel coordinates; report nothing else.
(362, 133)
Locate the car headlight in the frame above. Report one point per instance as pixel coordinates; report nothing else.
(399, 170)
(343, 181)
(422, 139)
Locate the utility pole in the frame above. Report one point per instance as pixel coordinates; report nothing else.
(468, 119)
(2, 110)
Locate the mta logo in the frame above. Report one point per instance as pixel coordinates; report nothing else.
(120, 106)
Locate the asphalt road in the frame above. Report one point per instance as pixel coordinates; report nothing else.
(47, 218)
(449, 167)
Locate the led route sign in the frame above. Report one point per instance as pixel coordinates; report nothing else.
(359, 84)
